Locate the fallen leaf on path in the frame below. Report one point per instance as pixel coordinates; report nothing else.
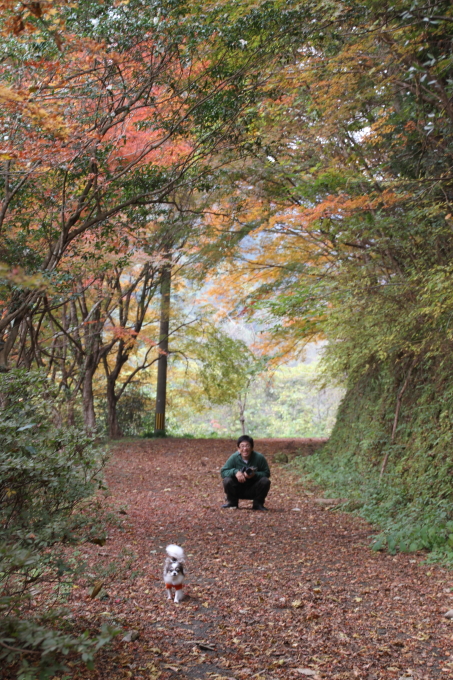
(297, 604)
(131, 636)
(306, 671)
(96, 589)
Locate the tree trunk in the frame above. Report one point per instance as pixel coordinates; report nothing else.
(89, 415)
(7, 343)
(112, 413)
(242, 414)
(161, 392)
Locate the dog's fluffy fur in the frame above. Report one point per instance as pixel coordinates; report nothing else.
(174, 571)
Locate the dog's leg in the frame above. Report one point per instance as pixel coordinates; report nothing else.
(169, 595)
(179, 594)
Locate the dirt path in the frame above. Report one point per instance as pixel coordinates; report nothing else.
(291, 593)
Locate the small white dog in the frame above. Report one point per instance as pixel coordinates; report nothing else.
(174, 571)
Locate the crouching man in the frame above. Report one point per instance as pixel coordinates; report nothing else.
(246, 475)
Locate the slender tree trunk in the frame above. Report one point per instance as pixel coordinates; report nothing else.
(395, 420)
(112, 413)
(161, 392)
(242, 419)
(6, 344)
(89, 415)
(242, 405)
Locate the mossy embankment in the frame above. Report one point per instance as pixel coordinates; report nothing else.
(399, 419)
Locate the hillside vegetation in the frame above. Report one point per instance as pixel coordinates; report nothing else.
(390, 456)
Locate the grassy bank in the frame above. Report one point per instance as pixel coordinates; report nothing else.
(412, 501)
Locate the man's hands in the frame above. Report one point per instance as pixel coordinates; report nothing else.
(243, 476)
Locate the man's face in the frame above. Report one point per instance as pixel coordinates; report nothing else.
(245, 450)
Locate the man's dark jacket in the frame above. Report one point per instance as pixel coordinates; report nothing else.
(235, 463)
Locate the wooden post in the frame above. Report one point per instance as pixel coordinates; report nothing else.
(161, 391)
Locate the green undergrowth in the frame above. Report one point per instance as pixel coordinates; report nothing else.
(51, 485)
(412, 503)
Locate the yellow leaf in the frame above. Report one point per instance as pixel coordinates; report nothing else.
(96, 589)
(10, 95)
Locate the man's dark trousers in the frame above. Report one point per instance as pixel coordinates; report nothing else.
(253, 489)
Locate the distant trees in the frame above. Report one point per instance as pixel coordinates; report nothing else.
(227, 370)
(284, 401)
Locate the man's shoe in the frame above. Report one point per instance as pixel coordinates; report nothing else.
(259, 506)
(230, 505)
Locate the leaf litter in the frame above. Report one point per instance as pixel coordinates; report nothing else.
(271, 595)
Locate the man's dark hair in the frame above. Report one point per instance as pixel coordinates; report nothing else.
(245, 438)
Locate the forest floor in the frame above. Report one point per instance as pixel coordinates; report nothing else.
(295, 592)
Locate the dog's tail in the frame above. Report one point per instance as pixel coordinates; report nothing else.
(175, 552)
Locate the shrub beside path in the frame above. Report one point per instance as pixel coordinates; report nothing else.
(291, 593)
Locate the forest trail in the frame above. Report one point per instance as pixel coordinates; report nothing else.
(291, 593)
